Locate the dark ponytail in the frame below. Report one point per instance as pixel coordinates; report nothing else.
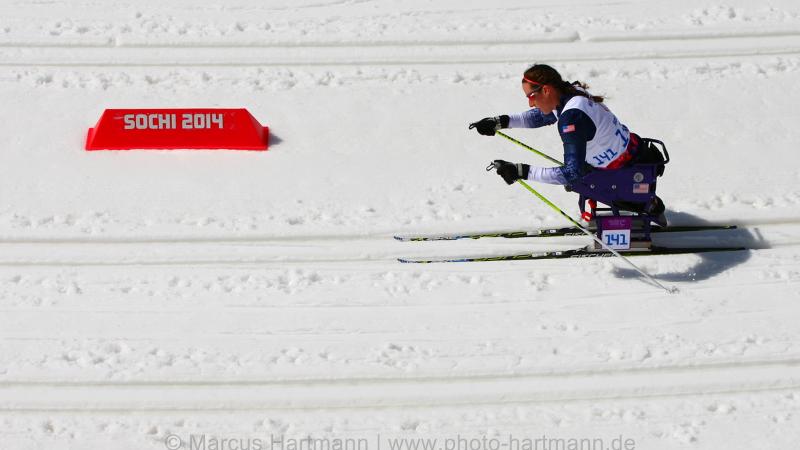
(544, 74)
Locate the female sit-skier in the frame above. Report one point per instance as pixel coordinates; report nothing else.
(594, 139)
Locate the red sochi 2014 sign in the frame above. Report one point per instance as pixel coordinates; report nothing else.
(202, 128)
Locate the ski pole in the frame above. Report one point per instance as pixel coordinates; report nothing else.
(528, 147)
(671, 290)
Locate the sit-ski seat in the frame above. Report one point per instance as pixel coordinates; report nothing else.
(629, 189)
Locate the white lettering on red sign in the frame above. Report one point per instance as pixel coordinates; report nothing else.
(189, 121)
(201, 121)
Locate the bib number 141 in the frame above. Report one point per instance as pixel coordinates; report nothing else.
(617, 239)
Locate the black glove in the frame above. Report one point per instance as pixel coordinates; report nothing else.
(487, 126)
(511, 172)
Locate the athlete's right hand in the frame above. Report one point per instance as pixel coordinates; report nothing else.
(511, 172)
(489, 125)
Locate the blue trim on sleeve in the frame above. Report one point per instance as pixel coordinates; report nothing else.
(576, 129)
(574, 161)
(532, 118)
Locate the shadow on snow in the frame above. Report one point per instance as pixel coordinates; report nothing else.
(709, 264)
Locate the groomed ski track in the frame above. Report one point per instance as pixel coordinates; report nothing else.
(332, 249)
(594, 47)
(119, 331)
(353, 393)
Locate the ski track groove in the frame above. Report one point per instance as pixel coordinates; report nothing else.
(263, 262)
(375, 236)
(552, 37)
(541, 373)
(595, 47)
(358, 393)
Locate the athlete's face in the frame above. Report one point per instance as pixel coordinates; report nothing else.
(541, 96)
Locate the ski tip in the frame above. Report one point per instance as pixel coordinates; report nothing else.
(409, 238)
(673, 290)
(425, 261)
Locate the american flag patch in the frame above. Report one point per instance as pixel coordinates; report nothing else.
(568, 128)
(641, 188)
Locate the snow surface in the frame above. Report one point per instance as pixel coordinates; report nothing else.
(243, 295)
